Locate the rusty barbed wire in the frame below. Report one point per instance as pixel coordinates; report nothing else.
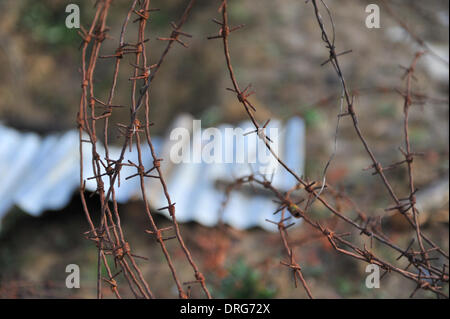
(428, 276)
(351, 112)
(419, 98)
(369, 227)
(109, 235)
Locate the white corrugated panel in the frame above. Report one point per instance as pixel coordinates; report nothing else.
(42, 173)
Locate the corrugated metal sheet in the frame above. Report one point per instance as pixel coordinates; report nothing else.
(42, 173)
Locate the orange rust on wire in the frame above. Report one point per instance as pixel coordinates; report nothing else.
(111, 240)
(362, 254)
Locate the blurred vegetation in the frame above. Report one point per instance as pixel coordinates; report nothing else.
(45, 25)
(244, 282)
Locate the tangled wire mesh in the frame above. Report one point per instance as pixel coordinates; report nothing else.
(428, 261)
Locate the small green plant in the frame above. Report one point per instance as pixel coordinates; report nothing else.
(43, 22)
(244, 282)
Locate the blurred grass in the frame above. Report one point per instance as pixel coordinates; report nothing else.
(244, 282)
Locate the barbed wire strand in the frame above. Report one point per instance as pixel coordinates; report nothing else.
(109, 234)
(434, 273)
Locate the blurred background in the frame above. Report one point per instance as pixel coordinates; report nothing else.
(280, 53)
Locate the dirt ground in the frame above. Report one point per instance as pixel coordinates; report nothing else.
(241, 264)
